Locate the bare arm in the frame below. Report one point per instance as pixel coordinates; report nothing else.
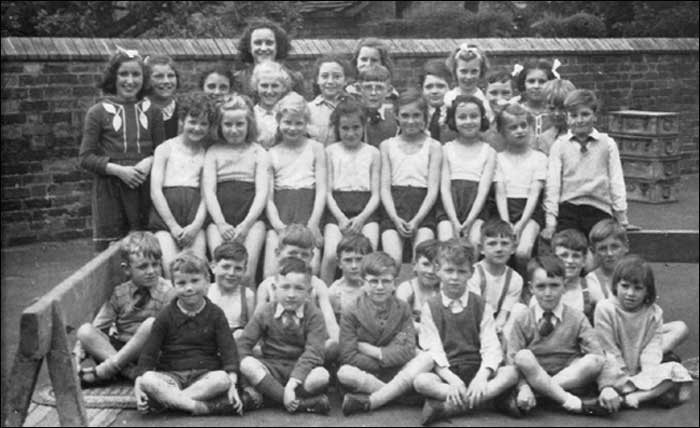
(434, 168)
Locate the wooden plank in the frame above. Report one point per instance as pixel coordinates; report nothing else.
(666, 246)
(20, 386)
(50, 420)
(64, 376)
(37, 415)
(102, 417)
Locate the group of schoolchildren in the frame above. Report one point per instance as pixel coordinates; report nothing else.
(484, 173)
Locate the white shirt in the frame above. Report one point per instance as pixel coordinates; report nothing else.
(494, 287)
(298, 313)
(350, 170)
(267, 126)
(409, 169)
(319, 126)
(573, 294)
(558, 312)
(519, 172)
(464, 165)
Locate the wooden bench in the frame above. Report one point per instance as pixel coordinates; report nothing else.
(45, 324)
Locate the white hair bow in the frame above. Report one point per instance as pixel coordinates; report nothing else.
(470, 51)
(555, 66)
(131, 53)
(517, 68)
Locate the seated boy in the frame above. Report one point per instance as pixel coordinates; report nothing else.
(298, 241)
(292, 334)
(552, 345)
(457, 330)
(378, 341)
(499, 91)
(375, 84)
(425, 285)
(344, 292)
(499, 285)
(609, 243)
(190, 358)
(121, 328)
(229, 290)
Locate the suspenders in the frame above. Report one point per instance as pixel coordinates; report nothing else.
(504, 292)
(587, 305)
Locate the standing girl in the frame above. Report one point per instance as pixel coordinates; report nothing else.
(522, 172)
(119, 136)
(216, 82)
(468, 65)
(164, 81)
(271, 82)
(630, 326)
(353, 184)
(298, 178)
(410, 177)
(530, 83)
(330, 73)
(234, 180)
(468, 166)
(178, 211)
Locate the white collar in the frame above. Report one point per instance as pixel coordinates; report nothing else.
(319, 101)
(463, 300)
(188, 313)
(558, 311)
(279, 310)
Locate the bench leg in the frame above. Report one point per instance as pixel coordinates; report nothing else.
(20, 387)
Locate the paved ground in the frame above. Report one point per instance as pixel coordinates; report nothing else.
(30, 271)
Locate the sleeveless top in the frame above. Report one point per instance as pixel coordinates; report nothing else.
(182, 169)
(233, 165)
(409, 169)
(459, 333)
(292, 169)
(517, 172)
(350, 170)
(462, 165)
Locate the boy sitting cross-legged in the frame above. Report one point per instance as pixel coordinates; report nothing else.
(292, 333)
(457, 330)
(552, 345)
(121, 328)
(378, 341)
(190, 357)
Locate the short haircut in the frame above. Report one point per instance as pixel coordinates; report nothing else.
(581, 97)
(467, 53)
(220, 69)
(151, 61)
(500, 75)
(464, 99)
(437, 68)
(572, 239)
(428, 249)
(378, 263)
(140, 243)
(347, 107)
(553, 267)
(271, 69)
(297, 235)
(347, 69)
(354, 243)
(374, 73)
(289, 265)
(237, 102)
(108, 83)
(608, 228)
(635, 270)
(456, 251)
(535, 64)
(197, 104)
(410, 96)
(515, 110)
(231, 250)
(188, 262)
(496, 227)
(380, 46)
(556, 90)
(292, 103)
(282, 43)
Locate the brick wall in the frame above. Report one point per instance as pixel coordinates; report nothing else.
(48, 84)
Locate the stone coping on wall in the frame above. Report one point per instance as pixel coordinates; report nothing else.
(45, 48)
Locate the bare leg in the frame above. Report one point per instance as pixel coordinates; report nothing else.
(270, 261)
(633, 399)
(332, 236)
(445, 230)
(316, 381)
(199, 245)
(672, 335)
(474, 237)
(132, 349)
(423, 234)
(371, 231)
(392, 244)
(213, 239)
(95, 342)
(169, 249)
(523, 252)
(581, 372)
(208, 386)
(402, 382)
(358, 380)
(254, 242)
(431, 385)
(165, 390)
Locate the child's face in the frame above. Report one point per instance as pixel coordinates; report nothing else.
(468, 73)
(292, 290)
(229, 273)
(350, 130)
(263, 45)
(558, 114)
(368, 56)
(331, 80)
(190, 288)
(498, 94)
(547, 291)
(573, 260)
(516, 131)
(163, 80)
(292, 126)
(302, 253)
(411, 119)
(349, 263)
(374, 93)
(497, 249)
(631, 294)
(144, 271)
(195, 129)
(468, 119)
(609, 251)
(434, 90)
(129, 80)
(380, 288)
(581, 120)
(425, 271)
(216, 85)
(534, 81)
(453, 278)
(270, 90)
(234, 126)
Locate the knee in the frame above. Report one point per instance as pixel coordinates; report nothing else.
(85, 332)
(317, 379)
(146, 325)
(249, 365)
(524, 359)
(421, 382)
(593, 362)
(148, 380)
(347, 375)
(421, 363)
(681, 330)
(221, 378)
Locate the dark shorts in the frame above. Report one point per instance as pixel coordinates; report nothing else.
(407, 201)
(463, 196)
(235, 199)
(516, 206)
(279, 369)
(116, 343)
(580, 217)
(294, 205)
(465, 371)
(351, 203)
(183, 203)
(185, 378)
(553, 364)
